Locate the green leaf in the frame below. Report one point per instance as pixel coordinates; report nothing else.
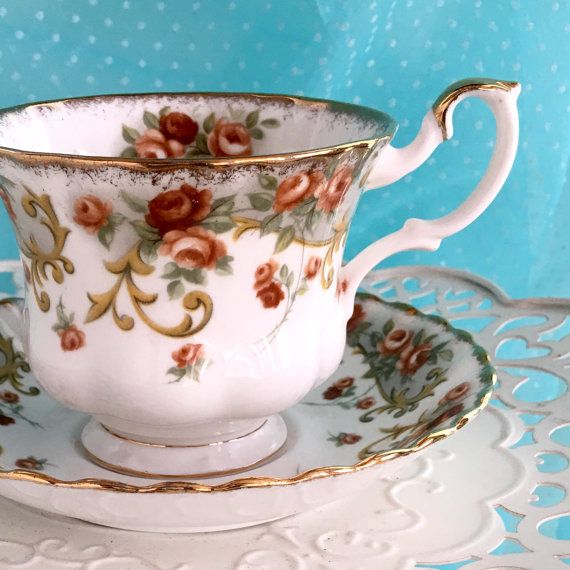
(302, 289)
(446, 355)
(194, 152)
(223, 266)
(201, 143)
(251, 119)
(388, 326)
(209, 122)
(151, 120)
(270, 123)
(267, 181)
(218, 224)
(116, 219)
(144, 230)
(256, 133)
(290, 279)
(171, 271)
(260, 201)
(196, 275)
(106, 235)
(285, 238)
(149, 250)
(175, 289)
(130, 135)
(331, 167)
(270, 224)
(164, 111)
(219, 202)
(134, 202)
(418, 337)
(305, 208)
(129, 152)
(283, 272)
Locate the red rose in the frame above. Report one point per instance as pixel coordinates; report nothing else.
(264, 274)
(330, 196)
(188, 355)
(28, 463)
(357, 317)
(6, 420)
(350, 438)
(452, 412)
(365, 403)
(413, 358)
(9, 397)
(341, 287)
(394, 342)
(196, 247)
(229, 139)
(271, 295)
(71, 338)
(344, 383)
(456, 393)
(312, 267)
(178, 209)
(332, 393)
(179, 127)
(91, 212)
(153, 144)
(296, 188)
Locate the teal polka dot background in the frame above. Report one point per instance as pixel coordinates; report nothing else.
(395, 55)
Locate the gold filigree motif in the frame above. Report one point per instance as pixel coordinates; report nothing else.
(40, 258)
(327, 270)
(14, 363)
(125, 268)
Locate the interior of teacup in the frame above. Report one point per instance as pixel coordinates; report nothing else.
(188, 126)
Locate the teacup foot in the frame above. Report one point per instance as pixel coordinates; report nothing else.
(164, 461)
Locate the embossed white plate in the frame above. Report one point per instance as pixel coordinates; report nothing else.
(407, 380)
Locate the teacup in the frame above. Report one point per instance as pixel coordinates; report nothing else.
(183, 257)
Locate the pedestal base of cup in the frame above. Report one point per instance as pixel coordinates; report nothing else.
(136, 458)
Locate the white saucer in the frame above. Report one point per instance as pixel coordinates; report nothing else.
(362, 422)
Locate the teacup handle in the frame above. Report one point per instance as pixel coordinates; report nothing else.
(394, 163)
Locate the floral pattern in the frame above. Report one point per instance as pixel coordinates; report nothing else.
(71, 337)
(190, 361)
(32, 463)
(175, 134)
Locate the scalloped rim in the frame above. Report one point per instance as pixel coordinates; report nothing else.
(487, 377)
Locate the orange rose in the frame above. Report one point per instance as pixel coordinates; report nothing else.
(350, 438)
(188, 355)
(341, 287)
(447, 415)
(8, 204)
(179, 127)
(455, 393)
(332, 393)
(365, 403)
(9, 397)
(394, 342)
(195, 247)
(264, 274)
(178, 209)
(229, 139)
(6, 420)
(91, 212)
(153, 144)
(330, 196)
(71, 338)
(357, 317)
(344, 383)
(312, 267)
(271, 295)
(28, 463)
(413, 358)
(296, 188)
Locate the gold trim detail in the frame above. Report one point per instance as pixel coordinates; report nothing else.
(42, 260)
(466, 86)
(124, 268)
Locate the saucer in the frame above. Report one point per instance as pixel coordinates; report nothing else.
(407, 380)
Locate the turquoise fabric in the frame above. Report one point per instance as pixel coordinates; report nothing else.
(395, 55)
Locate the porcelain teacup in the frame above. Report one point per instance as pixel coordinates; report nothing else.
(183, 257)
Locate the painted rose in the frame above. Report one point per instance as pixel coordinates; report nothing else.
(394, 342)
(9, 397)
(188, 355)
(153, 144)
(297, 188)
(341, 287)
(179, 127)
(229, 139)
(91, 213)
(447, 415)
(332, 393)
(6, 420)
(412, 358)
(330, 195)
(178, 209)
(344, 383)
(196, 247)
(456, 393)
(365, 403)
(7, 204)
(358, 316)
(264, 274)
(71, 338)
(271, 295)
(30, 463)
(312, 267)
(349, 438)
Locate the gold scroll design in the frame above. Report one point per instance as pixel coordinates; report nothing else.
(126, 268)
(41, 260)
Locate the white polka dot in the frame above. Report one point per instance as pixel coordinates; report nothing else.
(108, 22)
(554, 68)
(75, 18)
(108, 60)
(91, 39)
(39, 16)
(141, 25)
(55, 38)
(157, 46)
(125, 43)
(142, 63)
(158, 83)
(246, 26)
(175, 27)
(3, 11)
(160, 6)
(379, 81)
(19, 34)
(370, 63)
